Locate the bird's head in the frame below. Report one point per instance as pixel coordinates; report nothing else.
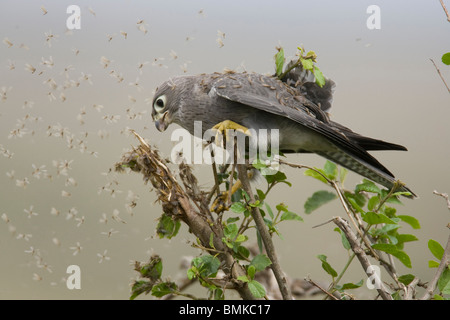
(167, 102)
(162, 107)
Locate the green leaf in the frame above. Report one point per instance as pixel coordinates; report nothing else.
(191, 273)
(257, 289)
(367, 186)
(206, 265)
(269, 210)
(219, 294)
(257, 203)
(243, 278)
(326, 266)
(260, 262)
(347, 286)
(393, 250)
(232, 219)
(402, 238)
(261, 194)
(446, 58)
(139, 287)
(320, 79)
(231, 231)
(307, 64)
(311, 55)
(241, 238)
(413, 222)
(163, 289)
(251, 270)
(211, 240)
(238, 207)
(288, 215)
(385, 230)
(344, 240)
(436, 249)
(167, 227)
(433, 264)
(318, 199)
(357, 198)
(376, 218)
(279, 61)
(277, 177)
(243, 252)
(258, 164)
(153, 269)
(444, 281)
(342, 174)
(316, 175)
(282, 207)
(373, 203)
(354, 203)
(330, 170)
(406, 279)
(390, 212)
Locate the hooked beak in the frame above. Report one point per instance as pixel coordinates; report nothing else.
(161, 124)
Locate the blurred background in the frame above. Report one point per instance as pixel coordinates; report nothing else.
(69, 97)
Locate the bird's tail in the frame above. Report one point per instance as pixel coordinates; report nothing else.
(378, 175)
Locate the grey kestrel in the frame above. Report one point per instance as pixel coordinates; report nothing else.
(294, 105)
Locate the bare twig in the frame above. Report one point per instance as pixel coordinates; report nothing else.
(361, 255)
(440, 75)
(321, 289)
(445, 196)
(341, 198)
(265, 235)
(445, 10)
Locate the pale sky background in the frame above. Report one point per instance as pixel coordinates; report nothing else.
(387, 88)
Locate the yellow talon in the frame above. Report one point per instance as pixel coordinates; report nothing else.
(224, 127)
(221, 203)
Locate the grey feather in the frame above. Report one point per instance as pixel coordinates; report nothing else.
(263, 102)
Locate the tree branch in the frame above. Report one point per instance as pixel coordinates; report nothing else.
(266, 238)
(361, 255)
(177, 203)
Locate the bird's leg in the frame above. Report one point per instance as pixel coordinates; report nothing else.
(222, 202)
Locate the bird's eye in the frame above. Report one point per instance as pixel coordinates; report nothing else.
(160, 103)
